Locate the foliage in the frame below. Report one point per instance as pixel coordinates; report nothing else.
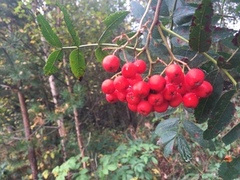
(190, 33)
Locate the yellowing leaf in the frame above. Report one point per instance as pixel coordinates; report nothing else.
(45, 174)
(52, 155)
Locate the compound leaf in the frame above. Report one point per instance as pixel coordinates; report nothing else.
(77, 63)
(49, 67)
(47, 32)
(200, 32)
(183, 148)
(70, 26)
(112, 21)
(232, 135)
(221, 115)
(203, 111)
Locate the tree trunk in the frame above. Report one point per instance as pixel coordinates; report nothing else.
(54, 92)
(60, 124)
(31, 151)
(76, 118)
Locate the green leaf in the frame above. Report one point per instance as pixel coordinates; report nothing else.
(196, 133)
(137, 10)
(232, 135)
(112, 22)
(49, 67)
(183, 15)
(112, 167)
(69, 25)
(163, 11)
(183, 148)
(167, 130)
(230, 170)
(168, 149)
(221, 115)
(203, 111)
(77, 63)
(47, 32)
(100, 54)
(218, 33)
(167, 126)
(200, 31)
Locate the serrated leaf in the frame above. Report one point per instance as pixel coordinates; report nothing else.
(49, 67)
(173, 4)
(232, 135)
(100, 54)
(69, 25)
(183, 148)
(230, 170)
(167, 130)
(47, 32)
(183, 15)
(112, 22)
(163, 11)
(137, 10)
(196, 133)
(203, 110)
(218, 33)
(221, 115)
(200, 32)
(166, 125)
(168, 149)
(77, 63)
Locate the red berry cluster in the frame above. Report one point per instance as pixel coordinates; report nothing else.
(156, 93)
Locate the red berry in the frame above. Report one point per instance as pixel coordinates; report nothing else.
(121, 83)
(155, 99)
(132, 107)
(157, 83)
(181, 88)
(129, 70)
(190, 100)
(135, 79)
(161, 108)
(121, 96)
(169, 92)
(111, 63)
(194, 77)
(144, 107)
(108, 86)
(176, 101)
(174, 73)
(141, 66)
(141, 89)
(132, 98)
(112, 98)
(204, 90)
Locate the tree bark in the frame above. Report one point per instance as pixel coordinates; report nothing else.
(60, 124)
(31, 151)
(76, 118)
